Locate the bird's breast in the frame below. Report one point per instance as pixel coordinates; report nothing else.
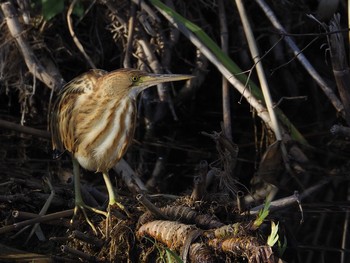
(104, 133)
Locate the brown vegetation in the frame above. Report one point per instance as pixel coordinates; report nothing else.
(207, 155)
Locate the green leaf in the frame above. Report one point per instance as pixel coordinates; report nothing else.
(263, 213)
(273, 237)
(51, 8)
(282, 247)
(172, 257)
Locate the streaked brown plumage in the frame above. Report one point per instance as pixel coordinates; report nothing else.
(94, 119)
(94, 124)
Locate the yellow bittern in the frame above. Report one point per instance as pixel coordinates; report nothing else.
(94, 119)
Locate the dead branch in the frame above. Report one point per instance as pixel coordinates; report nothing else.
(24, 129)
(39, 219)
(340, 66)
(51, 79)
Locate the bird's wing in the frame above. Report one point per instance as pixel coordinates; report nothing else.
(61, 123)
(83, 83)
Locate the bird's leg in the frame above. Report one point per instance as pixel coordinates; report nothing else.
(112, 195)
(79, 202)
(112, 201)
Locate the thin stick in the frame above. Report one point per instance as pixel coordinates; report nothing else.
(131, 27)
(340, 65)
(264, 85)
(260, 109)
(23, 129)
(26, 215)
(72, 33)
(290, 200)
(86, 238)
(277, 204)
(226, 107)
(78, 253)
(259, 68)
(43, 209)
(155, 66)
(38, 219)
(151, 207)
(302, 59)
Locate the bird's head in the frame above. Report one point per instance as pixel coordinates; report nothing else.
(131, 82)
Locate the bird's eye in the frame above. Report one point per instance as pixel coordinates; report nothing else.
(135, 78)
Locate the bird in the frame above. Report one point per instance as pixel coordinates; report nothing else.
(93, 119)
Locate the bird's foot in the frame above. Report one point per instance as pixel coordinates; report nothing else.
(112, 212)
(121, 207)
(83, 207)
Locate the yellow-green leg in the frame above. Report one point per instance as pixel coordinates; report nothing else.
(112, 201)
(111, 193)
(79, 202)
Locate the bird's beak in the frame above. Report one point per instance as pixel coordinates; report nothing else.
(155, 79)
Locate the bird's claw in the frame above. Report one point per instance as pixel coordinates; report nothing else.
(82, 208)
(121, 207)
(111, 212)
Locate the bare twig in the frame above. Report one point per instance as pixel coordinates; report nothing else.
(78, 253)
(256, 104)
(302, 59)
(26, 215)
(290, 200)
(43, 210)
(72, 33)
(151, 207)
(131, 27)
(51, 79)
(277, 204)
(340, 66)
(155, 66)
(38, 219)
(23, 129)
(86, 238)
(289, 98)
(163, 91)
(260, 70)
(264, 85)
(225, 88)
